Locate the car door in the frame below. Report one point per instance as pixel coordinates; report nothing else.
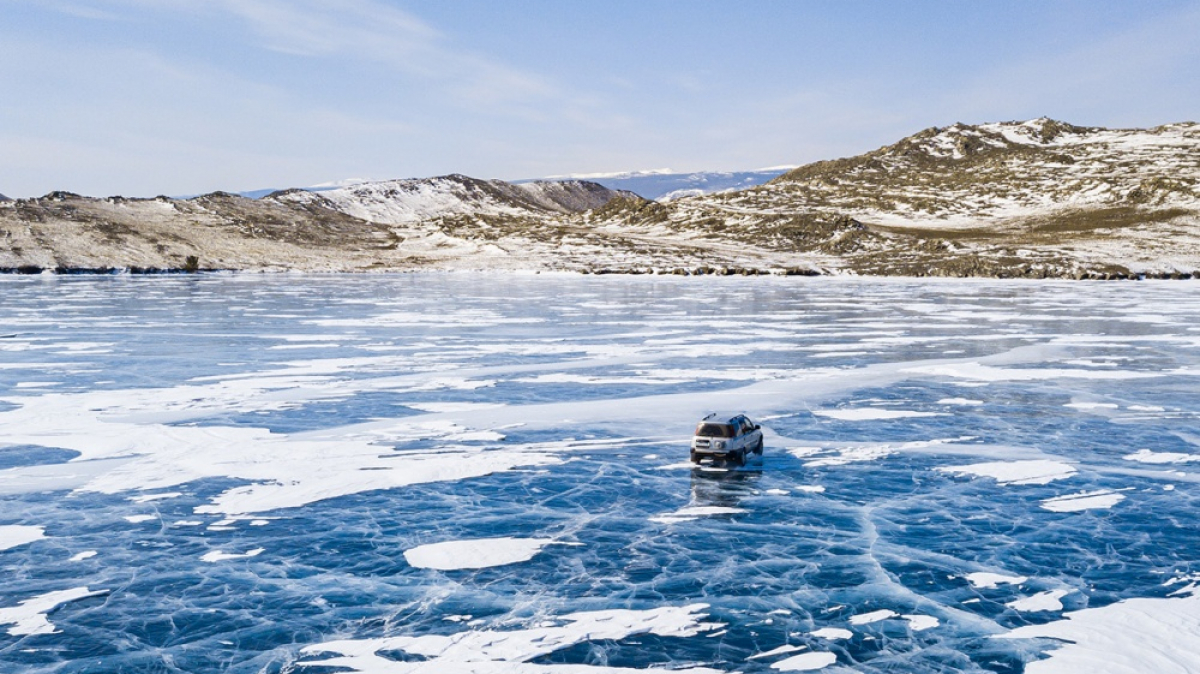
(742, 425)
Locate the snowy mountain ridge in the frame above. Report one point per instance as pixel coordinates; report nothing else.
(1039, 198)
(407, 201)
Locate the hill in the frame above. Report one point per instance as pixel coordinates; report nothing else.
(1034, 199)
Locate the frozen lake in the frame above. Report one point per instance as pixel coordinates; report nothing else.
(488, 473)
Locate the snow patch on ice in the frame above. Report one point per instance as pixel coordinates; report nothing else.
(29, 617)
(480, 553)
(989, 373)
(805, 662)
(1086, 500)
(1147, 456)
(220, 556)
(832, 633)
(838, 456)
(146, 498)
(985, 580)
(776, 651)
(1130, 637)
(12, 535)
(496, 651)
(872, 617)
(1093, 406)
(695, 512)
(920, 623)
(1033, 471)
(872, 414)
(1042, 601)
(960, 401)
(844, 455)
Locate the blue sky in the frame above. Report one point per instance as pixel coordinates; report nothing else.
(146, 97)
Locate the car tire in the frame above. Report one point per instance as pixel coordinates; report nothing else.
(695, 459)
(758, 449)
(739, 459)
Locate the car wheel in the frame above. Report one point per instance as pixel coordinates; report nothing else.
(695, 459)
(759, 447)
(739, 459)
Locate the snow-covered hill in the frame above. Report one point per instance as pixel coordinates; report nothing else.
(993, 193)
(415, 200)
(973, 176)
(1033, 199)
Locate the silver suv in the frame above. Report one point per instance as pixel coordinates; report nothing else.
(728, 438)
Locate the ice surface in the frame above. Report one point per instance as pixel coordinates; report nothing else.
(1008, 456)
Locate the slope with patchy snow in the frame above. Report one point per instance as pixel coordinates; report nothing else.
(1029, 199)
(398, 202)
(1025, 197)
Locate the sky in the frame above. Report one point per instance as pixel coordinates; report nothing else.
(177, 97)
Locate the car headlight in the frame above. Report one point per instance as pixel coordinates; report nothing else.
(718, 444)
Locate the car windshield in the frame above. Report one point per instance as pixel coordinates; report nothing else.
(715, 430)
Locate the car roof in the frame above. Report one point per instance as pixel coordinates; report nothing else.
(722, 417)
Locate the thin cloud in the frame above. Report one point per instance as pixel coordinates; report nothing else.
(371, 31)
(1115, 77)
(357, 30)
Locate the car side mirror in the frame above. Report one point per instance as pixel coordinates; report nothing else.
(757, 427)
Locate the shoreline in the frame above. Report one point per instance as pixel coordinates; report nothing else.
(34, 270)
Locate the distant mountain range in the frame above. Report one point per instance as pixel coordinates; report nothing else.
(666, 185)
(662, 184)
(1039, 198)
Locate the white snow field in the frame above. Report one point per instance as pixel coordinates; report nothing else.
(488, 473)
